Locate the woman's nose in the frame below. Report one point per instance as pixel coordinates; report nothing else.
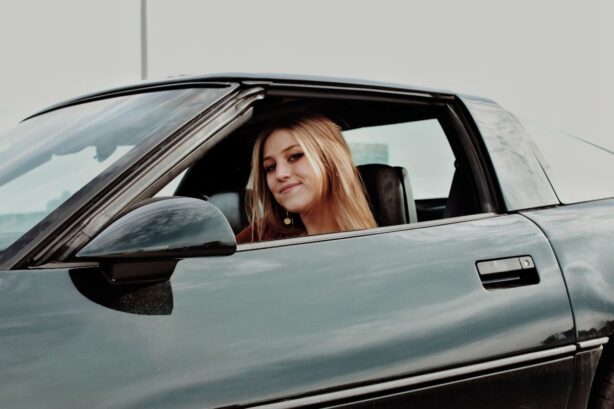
(282, 171)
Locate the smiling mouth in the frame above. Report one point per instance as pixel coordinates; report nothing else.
(288, 187)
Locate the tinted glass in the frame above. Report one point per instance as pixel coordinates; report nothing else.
(48, 158)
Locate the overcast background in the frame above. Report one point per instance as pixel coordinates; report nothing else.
(548, 61)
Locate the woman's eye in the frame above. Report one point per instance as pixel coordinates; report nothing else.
(269, 168)
(295, 156)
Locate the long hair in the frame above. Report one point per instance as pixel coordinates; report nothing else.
(339, 185)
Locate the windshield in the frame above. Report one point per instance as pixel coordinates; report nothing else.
(46, 159)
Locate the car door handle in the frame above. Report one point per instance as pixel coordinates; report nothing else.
(507, 272)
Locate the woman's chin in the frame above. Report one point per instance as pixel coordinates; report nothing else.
(294, 209)
(293, 205)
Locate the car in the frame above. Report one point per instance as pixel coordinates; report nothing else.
(489, 281)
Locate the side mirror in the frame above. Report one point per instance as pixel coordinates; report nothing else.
(145, 244)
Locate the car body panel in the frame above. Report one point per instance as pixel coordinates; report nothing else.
(268, 323)
(584, 374)
(544, 383)
(582, 236)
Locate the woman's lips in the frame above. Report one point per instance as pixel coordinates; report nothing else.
(288, 187)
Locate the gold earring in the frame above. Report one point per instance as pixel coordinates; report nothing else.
(287, 219)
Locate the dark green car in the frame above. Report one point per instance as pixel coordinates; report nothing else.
(489, 282)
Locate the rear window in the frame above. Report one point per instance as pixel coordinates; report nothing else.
(578, 170)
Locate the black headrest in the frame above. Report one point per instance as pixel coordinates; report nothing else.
(390, 194)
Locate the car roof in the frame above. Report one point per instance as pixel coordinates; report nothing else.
(248, 79)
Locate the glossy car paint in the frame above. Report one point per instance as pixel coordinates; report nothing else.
(145, 244)
(271, 322)
(582, 237)
(262, 324)
(164, 227)
(523, 183)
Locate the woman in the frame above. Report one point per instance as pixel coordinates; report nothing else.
(304, 182)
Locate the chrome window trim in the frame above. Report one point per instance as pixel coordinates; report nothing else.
(419, 379)
(360, 233)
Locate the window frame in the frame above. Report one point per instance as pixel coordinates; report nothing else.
(462, 134)
(317, 238)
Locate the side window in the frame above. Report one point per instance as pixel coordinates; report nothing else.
(421, 147)
(422, 179)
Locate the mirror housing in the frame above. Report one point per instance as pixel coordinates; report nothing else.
(144, 244)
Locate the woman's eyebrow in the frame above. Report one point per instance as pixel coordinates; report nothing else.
(283, 150)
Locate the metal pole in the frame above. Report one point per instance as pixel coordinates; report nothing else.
(143, 39)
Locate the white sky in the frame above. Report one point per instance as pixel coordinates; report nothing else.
(551, 61)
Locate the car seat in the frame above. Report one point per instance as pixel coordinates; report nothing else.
(389, 193)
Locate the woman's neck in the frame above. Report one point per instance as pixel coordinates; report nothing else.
(318, 221)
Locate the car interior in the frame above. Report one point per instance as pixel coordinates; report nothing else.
(222, 175)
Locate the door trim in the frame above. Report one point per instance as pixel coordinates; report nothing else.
(419, 379)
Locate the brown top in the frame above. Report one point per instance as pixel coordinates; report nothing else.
(245, 235)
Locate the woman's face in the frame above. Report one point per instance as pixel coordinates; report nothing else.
(289, 174)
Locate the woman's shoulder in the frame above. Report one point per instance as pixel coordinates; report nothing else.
(246, 235)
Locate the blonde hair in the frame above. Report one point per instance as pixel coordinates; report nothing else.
(340, 186)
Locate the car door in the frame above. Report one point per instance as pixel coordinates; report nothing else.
(401, 313)
(388, 318)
